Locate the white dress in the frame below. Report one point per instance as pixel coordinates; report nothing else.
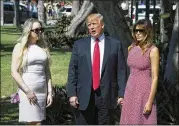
(34, 76)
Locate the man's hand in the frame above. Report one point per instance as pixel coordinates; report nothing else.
(120, 101)
(74, 101)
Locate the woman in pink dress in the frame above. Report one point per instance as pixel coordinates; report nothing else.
(139, 106)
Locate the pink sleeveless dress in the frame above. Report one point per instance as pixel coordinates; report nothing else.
(138, 89)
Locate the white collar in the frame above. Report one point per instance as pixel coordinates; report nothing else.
(100, 38)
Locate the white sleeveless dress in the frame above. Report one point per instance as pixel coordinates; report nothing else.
(34, 76)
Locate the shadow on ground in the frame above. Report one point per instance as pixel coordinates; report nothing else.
(10, 31)
(8, 112)
(9, 48)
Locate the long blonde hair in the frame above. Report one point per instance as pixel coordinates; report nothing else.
(23, 40)
(148, 40)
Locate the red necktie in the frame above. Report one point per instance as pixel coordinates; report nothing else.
(96, 65)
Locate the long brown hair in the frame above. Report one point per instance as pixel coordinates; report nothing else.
(148, 40)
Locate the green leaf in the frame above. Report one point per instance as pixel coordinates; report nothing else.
(165, 15)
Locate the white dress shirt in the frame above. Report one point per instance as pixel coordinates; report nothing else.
(101, 48)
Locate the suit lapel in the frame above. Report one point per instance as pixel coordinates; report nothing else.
(88, 52)
(107, 47)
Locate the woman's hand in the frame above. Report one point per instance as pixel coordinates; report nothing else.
(147, 108)
(32, 98)
(49, 99)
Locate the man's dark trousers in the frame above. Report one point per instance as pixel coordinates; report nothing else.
(96, 112)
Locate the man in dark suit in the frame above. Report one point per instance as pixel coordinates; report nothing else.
(96, 76)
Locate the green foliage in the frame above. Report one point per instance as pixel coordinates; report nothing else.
(168, 18)
(57, 37)
(167, 94)
(167, 103)
(60, 112)
(9, 35)
(166, 15)
(62, 24)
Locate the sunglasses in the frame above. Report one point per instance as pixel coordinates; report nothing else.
(38, 30)
(139, 30)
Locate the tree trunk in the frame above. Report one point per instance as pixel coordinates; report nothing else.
(115, 23)
(147, 8)
(75, 7)
(131, 12)
(41, 11)
(136, 11)
(162, 34)
(2, 13)
(165, 26)
(172, 69)
(16, 13)
(154, 20)
(85, 10)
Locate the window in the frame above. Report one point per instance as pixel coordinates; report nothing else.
(8, 7)
(151, 11)
(11, 7)
(141, 10)
(68, 10)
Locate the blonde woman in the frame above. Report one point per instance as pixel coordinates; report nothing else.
(139, 106)
(30, 69)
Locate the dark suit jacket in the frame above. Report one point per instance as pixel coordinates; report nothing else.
(113, 76)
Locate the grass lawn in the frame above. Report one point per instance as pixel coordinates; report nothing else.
(60, 61)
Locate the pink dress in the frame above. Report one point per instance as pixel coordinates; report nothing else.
(138, 89)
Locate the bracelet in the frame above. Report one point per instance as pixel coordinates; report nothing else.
(50, 93)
